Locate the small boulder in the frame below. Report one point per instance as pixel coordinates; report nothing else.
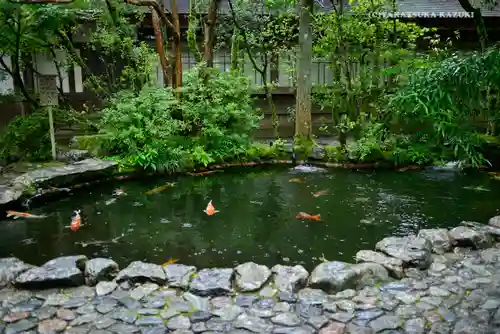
(212, 282)
(464, 236)
(73, 156)
(103, 288)
(100, 269)
(288, 278)
(61, 271)
(439, 239)
(411, 250)
(179, 275)
(369, 274)
(332, 276)
(251, 276)
(394, 266)
(494, 221)
(10, 268)
(140, 272)
(335, 276)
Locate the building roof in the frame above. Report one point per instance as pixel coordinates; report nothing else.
(406, 8)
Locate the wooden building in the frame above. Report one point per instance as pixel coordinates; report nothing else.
(448, 16)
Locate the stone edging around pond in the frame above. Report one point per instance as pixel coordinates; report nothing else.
(434, 293)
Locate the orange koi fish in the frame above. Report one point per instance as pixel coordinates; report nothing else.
(320, 193)
(296, 180)
(17, 214)
(306, 216)
(170, 261)
(210, 210)
(76, 221)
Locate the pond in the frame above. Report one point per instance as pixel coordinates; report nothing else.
(257, 219)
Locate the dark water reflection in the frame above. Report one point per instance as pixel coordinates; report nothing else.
(256, 221)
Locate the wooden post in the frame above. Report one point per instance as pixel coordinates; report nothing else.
(47, 86)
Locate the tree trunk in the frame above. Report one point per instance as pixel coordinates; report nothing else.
(209, 38)
(176, 46)
(478, 19)
(303, 103)
(160, 49)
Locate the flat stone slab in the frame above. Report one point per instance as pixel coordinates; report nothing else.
(212, 282)
(84, 170)
(60, 272)
(413, 251)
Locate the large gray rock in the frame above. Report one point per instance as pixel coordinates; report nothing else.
(439, 239)
(77, 172)
(288, 278)
(251, 276)
(394, 266)
(494, 221)
(212, 282)
(61, 271)
(100, 269)
(179, 275)
(335, 276)
(140, 272)
(411, 250)
(10, 268)
(464, 236)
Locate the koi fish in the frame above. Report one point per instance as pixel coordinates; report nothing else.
(160, 188)
(210, 210)
(170, 261)
(119, 192)
(110, 201)
(76, 221)
(17, 214)
(296, 180)
(101, 242)
(205, 172)
(306, 216)
(320, 193)
(479, 188)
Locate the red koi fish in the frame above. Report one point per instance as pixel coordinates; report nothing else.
(306, 216)
(320, 193)
(210, 210)
(76, 221)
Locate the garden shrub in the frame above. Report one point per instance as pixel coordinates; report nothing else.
(209, 120)
(27, 138)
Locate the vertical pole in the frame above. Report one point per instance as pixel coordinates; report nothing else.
(52, 135)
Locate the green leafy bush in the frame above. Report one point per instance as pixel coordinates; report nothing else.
(446, 100)
(210, 121)
(26, 138)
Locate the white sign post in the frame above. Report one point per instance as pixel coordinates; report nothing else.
(47, 88)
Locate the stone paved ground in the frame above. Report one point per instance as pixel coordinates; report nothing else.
(457, 292)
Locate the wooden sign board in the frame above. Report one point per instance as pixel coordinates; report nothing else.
(47, 88)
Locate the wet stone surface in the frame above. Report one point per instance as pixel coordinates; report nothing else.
(457, 292)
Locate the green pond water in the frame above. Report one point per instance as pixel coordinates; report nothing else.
(256, 221)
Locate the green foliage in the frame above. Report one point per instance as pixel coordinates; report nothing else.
(358, 46)
(439, 104)
(153, 130)
(26, 138)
